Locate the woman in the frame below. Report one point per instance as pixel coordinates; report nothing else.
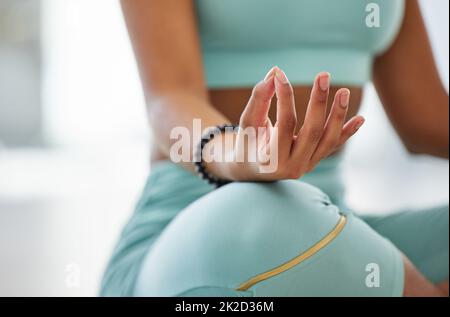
(200, 59)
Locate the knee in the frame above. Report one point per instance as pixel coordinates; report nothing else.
(258, 210)
(239, 229)
(272, 198)
(255, 210)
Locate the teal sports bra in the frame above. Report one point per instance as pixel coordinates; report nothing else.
(242, 39)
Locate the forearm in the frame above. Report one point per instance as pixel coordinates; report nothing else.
(170, 113)
(408, 83)
(438, 144)
(430, 133)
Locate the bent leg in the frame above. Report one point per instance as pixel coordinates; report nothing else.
(416, 285)
(443, 287)
(422, 236)
(278, 239)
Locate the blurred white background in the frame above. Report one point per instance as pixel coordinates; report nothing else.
(75, 144)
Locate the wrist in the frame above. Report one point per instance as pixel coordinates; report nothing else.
(219, 156)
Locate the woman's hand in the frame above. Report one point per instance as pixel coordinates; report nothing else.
(280, 152)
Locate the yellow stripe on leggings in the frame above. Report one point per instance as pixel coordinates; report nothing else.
(299, 259)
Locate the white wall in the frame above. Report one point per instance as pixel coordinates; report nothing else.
(91, 91)
(436, 16)
(20, 73)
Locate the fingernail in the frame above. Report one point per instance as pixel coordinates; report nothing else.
(344, 99)
(281, 76)
(359, 124)
(269, 74)
(324, 82)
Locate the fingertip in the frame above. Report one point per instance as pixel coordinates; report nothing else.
(321, 88)
(280, 75)
(324, 73)
(270, 74)
(263, 91)
(344, 97)
(343, 91)
(283, 88)
(359, 122)
(353, 125)
(323, 81)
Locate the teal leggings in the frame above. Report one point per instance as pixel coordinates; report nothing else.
(288, 238)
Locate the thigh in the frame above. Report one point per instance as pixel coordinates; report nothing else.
(279, 239)
(169, 189)
(422, 235)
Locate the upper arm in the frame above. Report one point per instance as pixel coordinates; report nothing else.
(166, 44)
(408, 83)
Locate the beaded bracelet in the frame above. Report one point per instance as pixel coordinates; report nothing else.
(199, 162)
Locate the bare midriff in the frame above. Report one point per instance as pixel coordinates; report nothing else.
(231, 102)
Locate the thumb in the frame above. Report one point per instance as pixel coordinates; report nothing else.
(256, 111)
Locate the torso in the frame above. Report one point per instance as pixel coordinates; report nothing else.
(303, 37)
